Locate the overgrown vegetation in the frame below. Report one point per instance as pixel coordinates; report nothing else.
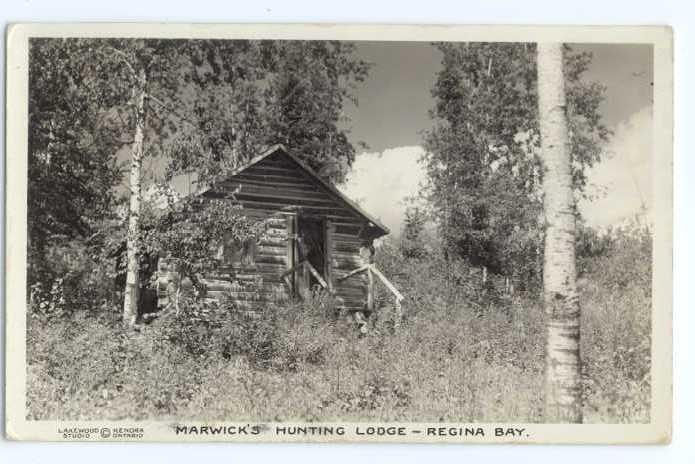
(197, 107)
(484, 169)
(463, 352)
(469, 348)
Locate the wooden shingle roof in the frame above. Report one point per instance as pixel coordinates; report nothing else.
(378, 229)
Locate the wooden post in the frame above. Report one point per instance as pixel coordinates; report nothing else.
(386, 282)
(353, 272)
(291, 253)
(361, 322)
(308, 267)
(305, 289)
(397, 314)
(370, 289)
(328, 254)
(306, 281)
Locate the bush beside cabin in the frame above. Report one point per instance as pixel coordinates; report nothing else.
(316, 237)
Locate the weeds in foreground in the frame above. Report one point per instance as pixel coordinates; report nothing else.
(456, 356)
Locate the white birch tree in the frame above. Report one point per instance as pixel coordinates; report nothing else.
(132, 286)
(563, 388)
(152, 69)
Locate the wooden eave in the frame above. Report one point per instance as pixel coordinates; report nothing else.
(379, 229)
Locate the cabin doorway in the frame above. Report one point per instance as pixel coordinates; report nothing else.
(310, 247)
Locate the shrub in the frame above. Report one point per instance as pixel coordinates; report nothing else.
(460, 354)
(616, 325)
(70, 278)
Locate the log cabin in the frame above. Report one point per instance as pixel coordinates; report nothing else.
(317, 237)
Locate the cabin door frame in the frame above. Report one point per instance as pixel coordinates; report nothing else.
(312, 241)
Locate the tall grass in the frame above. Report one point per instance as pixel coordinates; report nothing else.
(462, 353)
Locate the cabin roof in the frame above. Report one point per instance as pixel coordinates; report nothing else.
(374, 223)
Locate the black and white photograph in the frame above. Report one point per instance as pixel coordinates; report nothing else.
(307, 239)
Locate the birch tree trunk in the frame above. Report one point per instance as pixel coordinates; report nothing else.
(563, 390)
(132, 286)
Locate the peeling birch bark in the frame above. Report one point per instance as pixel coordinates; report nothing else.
(563, 389)
(132, 286)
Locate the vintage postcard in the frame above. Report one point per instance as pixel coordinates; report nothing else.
(339, 233)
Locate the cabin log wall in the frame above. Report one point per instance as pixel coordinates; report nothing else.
(277, 187)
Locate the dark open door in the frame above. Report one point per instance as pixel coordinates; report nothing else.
(310, 246)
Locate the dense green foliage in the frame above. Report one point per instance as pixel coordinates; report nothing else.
(72, 170)
(305, 109)
(413, 241)
(193, 229)
(465, 351)
(253, 94)
(484, 173)
(210, 105)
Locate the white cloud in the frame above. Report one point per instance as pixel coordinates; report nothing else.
(622, 182)
(380, 182)
(619, 185)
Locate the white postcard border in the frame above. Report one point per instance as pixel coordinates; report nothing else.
(657, 431)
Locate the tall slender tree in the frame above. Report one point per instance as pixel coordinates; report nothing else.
(482, 159)
(151, 75)
(132, 286)
(563, 388)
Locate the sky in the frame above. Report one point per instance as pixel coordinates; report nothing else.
(392, 113)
